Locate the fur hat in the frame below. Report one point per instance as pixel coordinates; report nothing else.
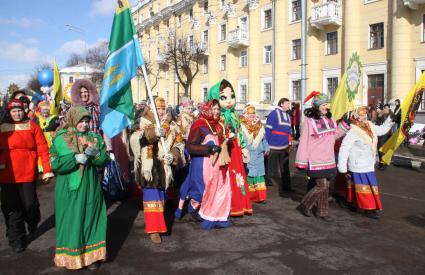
(75, 92)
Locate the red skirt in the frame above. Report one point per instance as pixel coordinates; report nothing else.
(241, 204)
(153, 210)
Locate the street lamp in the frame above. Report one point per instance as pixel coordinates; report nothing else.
(82, 32)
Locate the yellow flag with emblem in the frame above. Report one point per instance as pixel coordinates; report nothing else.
(408, 107)
(57, 91)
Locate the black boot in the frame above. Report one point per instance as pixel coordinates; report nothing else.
(18, 245)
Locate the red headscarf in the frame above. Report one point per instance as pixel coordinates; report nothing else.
(206, 118)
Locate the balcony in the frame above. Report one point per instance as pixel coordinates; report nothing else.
(160, 59)
(326, 14)
(238, 38)
(413, 4)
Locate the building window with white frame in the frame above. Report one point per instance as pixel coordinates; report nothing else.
(190, 15)
(268, 54)
(267, 19)
(223, 32)
(158, 8)
(376, 36)
(205, 7)
(243, 91)
(423, 28)
(296, 90)
(296, 49)
(179, 20)
(222, 4)
(267, 90)
(205, 94)
(223, 62)
(295, 10)
(332, 85)
(205, 66)
(205, 38)
(243, 59)
(167, 75)
(331, 43)
(190, 41)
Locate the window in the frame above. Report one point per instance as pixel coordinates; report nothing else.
(267, 90)
(167, 95)
(243, 23)
(190, 41)
(190, 15)
(376, 36)
(205, 66)
(205, 94)
(296, 49)
(223, 32)
(296, 90)
(205, 37)
(167, 75)
(423, 28)
(71, 79)
(158, 8)
(243, 59)
(332, 86)
(222, 4)
(243, 91)
(268, 54)
(332, 43)
(267, 19)
(295, 10)
(179, 20)
(167, 23)
(222, 62)
(376, 81)
(205, 7)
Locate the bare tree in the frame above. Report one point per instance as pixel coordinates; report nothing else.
(184, 57)
(98, 55)
(153, 72)
(75, 59)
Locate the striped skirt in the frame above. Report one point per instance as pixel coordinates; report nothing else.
(153, 210)
(257, 189)
(363, 189)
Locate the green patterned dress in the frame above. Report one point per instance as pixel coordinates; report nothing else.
(80, 209)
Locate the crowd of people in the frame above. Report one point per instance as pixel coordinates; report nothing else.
(212, 159)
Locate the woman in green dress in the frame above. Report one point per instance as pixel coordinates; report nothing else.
(80, 209)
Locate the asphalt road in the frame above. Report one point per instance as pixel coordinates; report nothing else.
(276, 239)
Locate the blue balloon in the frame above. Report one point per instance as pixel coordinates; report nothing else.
(45, 77)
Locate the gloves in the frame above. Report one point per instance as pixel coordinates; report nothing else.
(168, 159)
(212, 149)
(81, 158)
(92, 151)
(159, 132)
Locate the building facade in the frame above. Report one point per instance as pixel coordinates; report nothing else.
(256, 45)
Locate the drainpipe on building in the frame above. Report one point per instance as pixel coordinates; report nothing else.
(303, 53)
(273, 52)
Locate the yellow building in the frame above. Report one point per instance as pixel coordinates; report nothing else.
(256, 45)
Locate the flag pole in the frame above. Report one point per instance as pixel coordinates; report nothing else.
(152, 105)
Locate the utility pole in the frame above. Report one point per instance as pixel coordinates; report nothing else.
(303, 54)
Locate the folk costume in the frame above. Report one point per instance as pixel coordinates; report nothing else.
(47, 122)
(207, 185)
(80, 209)
(357, 157)
(151, 169)
(279, 138)
(21, 144)
(316, 154)
(254, 135)
(224, 93)
(185, 118)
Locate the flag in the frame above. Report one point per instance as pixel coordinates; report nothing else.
(116, 100)
(57, 90)
(409, 107)
(343, 100)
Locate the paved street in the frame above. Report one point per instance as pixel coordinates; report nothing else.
(275, 240)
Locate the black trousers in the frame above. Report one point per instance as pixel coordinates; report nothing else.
(19, 204)
(278, 169)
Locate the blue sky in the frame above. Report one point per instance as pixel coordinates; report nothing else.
(34, 32)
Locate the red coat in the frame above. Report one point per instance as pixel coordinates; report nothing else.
(20, 146)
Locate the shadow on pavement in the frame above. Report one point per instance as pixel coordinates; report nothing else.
(120, 223)
(418, 221)
(45, 226)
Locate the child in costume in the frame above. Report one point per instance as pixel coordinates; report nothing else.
(225, 94)
(254, 135)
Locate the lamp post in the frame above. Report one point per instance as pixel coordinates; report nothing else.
(82, 32)
(303, 53)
